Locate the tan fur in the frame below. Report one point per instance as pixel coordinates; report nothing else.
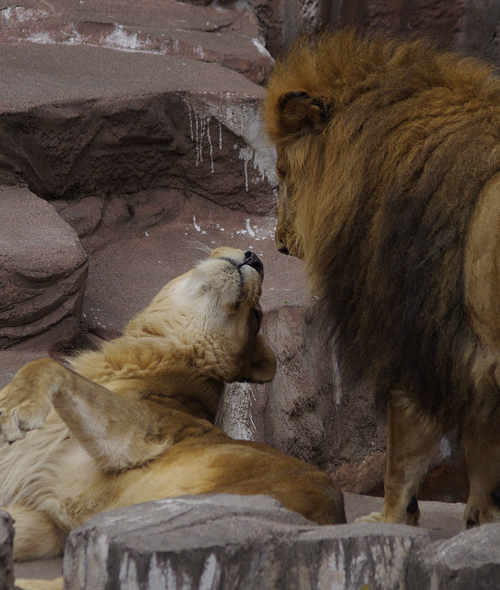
(389, 169)
(132, 422)
(29, 584)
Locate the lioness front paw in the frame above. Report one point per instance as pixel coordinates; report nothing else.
(16, 421)
(24, 404)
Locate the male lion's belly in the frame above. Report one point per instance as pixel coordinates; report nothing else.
(482, 266)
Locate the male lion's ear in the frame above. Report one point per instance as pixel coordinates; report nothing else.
(299, 111)
(262, 363)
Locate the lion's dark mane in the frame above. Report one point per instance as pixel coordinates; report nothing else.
(425, 126)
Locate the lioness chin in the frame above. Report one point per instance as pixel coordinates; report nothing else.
(133, 421)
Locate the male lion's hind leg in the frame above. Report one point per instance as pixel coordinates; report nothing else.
(483, 504)
(411, 437)
(36, 535)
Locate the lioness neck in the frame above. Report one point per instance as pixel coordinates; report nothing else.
(149, 368)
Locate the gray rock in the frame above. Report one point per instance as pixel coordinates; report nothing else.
(43, 269)
(470, 560)
(103, 121)
(212, 34)
(229, 542)
(6, 540)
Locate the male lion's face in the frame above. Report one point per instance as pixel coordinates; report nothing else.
(295, 121)
(215, 307)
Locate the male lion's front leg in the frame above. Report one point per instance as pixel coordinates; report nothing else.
(113, 430)
(411, 438)
(483, 504)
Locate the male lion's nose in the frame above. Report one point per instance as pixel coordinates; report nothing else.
(251, 259)
(280, 245)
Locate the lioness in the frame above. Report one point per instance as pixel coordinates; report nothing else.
(133, 421)
(389, 166)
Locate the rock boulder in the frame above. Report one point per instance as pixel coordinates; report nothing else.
(228, 542)
(43, 269)
(468, 560)
(6, 540)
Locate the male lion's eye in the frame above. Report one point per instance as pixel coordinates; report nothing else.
(280, 172)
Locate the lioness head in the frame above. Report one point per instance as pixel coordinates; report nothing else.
(212, 317)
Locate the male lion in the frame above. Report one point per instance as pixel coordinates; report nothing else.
(132, 422)
(389, 168)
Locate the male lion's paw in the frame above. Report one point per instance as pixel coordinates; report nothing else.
(410, 517)
(373, 517)
(479, 513)
(20, 414)
(57, 584)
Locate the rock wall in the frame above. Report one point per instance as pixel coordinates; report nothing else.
(43, 271)
(462, 25)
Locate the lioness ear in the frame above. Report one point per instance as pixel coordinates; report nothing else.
(300, 112)
(263, 362)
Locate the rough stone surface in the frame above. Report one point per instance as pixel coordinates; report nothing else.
(42, 272)
(92, 122)
(463, 25)
(468, 560)
(6, 540)
(229, 37)
(442, 521)
(227, 542)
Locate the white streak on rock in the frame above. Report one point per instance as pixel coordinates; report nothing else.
(249, 229)
(261, 47)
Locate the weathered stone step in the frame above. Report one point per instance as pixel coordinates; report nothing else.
(232, 542)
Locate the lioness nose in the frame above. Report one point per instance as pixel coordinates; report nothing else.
(254, 261)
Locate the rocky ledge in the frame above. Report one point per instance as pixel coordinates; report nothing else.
(223, 542)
